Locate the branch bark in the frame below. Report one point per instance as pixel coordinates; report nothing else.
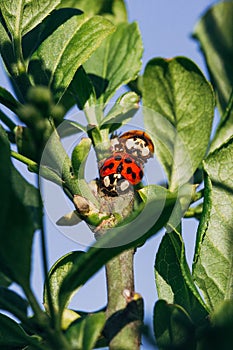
(124, 311)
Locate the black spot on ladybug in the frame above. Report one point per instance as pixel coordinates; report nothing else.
(141, 174)
(129, 170)
(118, 157)
(143, 137)
(133, 175)
(109, 166)
(128, 160)
(119, 168)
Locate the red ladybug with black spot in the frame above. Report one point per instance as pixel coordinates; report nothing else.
(119, 172)
(124, 169)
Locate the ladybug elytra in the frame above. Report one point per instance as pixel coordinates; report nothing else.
(135, 142)
(123, 164)
(124, 168)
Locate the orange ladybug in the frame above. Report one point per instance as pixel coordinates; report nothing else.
(135, 142)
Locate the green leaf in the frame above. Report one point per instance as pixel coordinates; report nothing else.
(57, 273)
(16, 226)
(33, 39)
(4, 175)
(185, 194)
(7, 121)
(24, 138)
(4, 280)
(180, 114)
(114, 10)
(225, 128)
(78, 160)
(54, 154)
(122, 111)
(214, 33)
(83, 91)
(131, 233)
(28, 196)
(219, 333)
(173, 327)
(8, 100)
(24, 15)
(223, 315)
(69, 127)
(79, 157)
(55, 164)
(11, 301)
(84, 333)
(12, 336)
(172, 269)
(66, 49)
(116, 62)
(6, 48)
(213, 261)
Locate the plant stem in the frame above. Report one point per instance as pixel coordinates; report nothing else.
(45, 262)
(53, 334)
(32, 301)
(119, 272)
(124, 315)
(120, 279)
(33, 166)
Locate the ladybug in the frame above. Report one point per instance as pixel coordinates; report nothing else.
(120, 171)
(135, 142)
(114, 185)
(124, 164)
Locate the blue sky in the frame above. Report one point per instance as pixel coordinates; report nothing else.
(166, 27)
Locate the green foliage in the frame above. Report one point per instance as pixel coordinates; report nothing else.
(214, 34)
(121, 112)
(78, 159)
(21, 17)
(88, 329)
(184, 104)
(213, 257)
(4, 280)
(212, 260)
(16, 224)
(219, 334)
(12, 302)
(116, 62)
(172, 326)
(217, 48)
(115, 241)
(12, 335)
(56, 275)
(65, 54)
(173, 274)
(8, 100)
(114, 10)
